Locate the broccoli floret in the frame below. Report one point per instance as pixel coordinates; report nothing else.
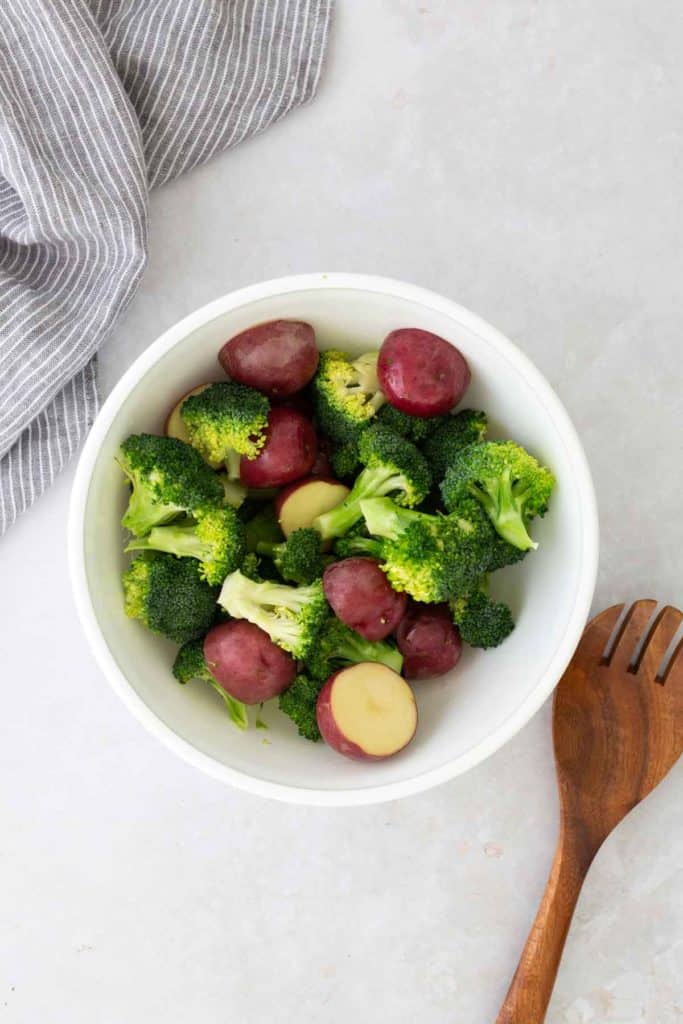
(338, 645)
(168, 595)
(251, 567)
(510, 484)
(169, 479)
(346, 392)
(415, 428)
(481, 621)
(263, 528)
(225, 421)
(190, 664)
(498, 552)
(454, 433)
(393, 466)
(291, 616)
(215, 537)
(429, 557)
(344, 459)
(299, 558)
(299, 703)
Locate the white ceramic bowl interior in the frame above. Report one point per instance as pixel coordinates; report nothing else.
(462, 717)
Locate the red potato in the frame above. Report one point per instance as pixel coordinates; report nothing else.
(174, 426)
(360, 595)
(367, 712)
(428, 640)
(322, 465)
(246, 663)
(300, 401)
(288, 453)
(279, 357)
(420, 373)
(298, 505)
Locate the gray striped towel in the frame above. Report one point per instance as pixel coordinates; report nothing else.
(101, 100)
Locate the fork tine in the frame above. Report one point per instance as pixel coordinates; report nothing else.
(657, 641)
(674, 670)
(597, 633)
(632, 629)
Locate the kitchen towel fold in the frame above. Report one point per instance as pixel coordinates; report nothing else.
(101, 100)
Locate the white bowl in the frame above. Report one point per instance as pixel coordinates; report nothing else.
(463, 717)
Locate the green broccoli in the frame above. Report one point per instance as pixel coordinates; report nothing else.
(291, 616)
(486, 549)
(234, 493)
(299, 703)
(338, 645)
(393, 466)
(453, 434)
(481, 621)
(250, 567)
(168, 595)
(429, 557)
(299, 558)
(415, 428)
(215, 537)
(344, 459)
(356, 544)
(263, 527)
(499, 552)
(225, 421)
(346, 393)
(168, 478)
(510, 484)
(190, 664)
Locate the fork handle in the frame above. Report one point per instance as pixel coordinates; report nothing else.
(531, 987)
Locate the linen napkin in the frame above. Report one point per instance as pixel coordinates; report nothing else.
(101, 100)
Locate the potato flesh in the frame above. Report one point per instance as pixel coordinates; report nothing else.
(175, 426)
(309, 501)
(374, 708)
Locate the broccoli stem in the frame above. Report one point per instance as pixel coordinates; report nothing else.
(143, 512)
(348, 546)
(181, 541)
(367, 382)
(383, 518)
(268, 548)
(505, 508)
(236, 709)
(232, 465)
(371, 483)
(356, 649)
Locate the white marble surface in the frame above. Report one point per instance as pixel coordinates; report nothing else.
(525, 159)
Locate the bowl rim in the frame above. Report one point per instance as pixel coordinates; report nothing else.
(554, 668)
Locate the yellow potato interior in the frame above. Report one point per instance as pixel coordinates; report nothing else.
(175, 426)
(374, 708)
(309, 501)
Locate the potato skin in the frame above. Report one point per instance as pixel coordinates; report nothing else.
(361, 596)
(330, 731)
(278, 357)
(290, 449)
(246, 663)
(428, 640)
(420, 373)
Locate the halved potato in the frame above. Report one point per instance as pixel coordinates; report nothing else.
(367, 712)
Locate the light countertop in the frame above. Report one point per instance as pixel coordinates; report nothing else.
(524, 159)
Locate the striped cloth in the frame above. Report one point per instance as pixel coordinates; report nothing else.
(99, 101)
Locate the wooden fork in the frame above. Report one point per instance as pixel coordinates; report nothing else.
(617, 730)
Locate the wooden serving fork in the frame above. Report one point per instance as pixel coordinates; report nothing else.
(617, 730)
